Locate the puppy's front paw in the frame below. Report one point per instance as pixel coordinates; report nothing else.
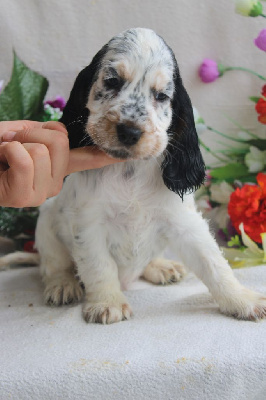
(162, 271)
(246, 305)
(106, 312)
(62, 290)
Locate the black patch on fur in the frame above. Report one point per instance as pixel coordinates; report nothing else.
(98, 96)
(75, 114)
(135, 108)
(183, 168)
(128, 171)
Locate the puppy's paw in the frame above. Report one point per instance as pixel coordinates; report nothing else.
(246, 305)
(162, 271)
(63, 290)
(106, 312)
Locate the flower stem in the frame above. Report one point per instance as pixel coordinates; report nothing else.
(226, 136)
(211, 152)
(246, 70)
(242, 128)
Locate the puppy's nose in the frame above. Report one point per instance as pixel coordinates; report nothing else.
(128, 135)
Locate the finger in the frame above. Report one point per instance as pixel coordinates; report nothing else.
(16, 182)
(6, 126)
(43, 185)
(56, 126)
(56, 142)
(25, 125)
(85, 158)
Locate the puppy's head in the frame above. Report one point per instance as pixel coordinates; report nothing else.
(131, 103)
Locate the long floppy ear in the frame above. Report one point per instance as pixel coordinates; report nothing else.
(75, 114)
(183, 168)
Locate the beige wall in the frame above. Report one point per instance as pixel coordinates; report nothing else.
(59, 37)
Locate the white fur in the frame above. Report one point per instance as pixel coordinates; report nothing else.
(107, 225)
(112, 227)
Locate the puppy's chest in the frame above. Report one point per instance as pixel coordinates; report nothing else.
(123, 209)
(135, 234)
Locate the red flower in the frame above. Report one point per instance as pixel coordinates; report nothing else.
(29, 246)
(248, 205)
(261, 107)
(262, 118)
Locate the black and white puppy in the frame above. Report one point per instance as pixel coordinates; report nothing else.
(110, 226)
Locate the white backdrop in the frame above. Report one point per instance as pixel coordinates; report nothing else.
(59, 38)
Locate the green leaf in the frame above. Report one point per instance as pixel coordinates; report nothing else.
(229, 172)
(256, 10)
(23, 96)
(259, 143)
(233, 151)
(254, 99)
(235, 241)
(14, 221)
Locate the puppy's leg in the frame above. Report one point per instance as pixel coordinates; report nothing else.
(104, 302)
(199, 252)
(56, 266)
(162, 271)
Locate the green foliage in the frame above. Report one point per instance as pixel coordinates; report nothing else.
(229, 172)
(235, 241)
(256, 10)
(255, 99)
(259, 143)
(14, 221)
(23, 96)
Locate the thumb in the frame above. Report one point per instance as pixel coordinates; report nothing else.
(55, 125)
(89, 157)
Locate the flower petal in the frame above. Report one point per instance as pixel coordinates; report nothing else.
(263, 237)
(252, 246)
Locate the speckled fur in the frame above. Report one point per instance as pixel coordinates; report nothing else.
(107, 225)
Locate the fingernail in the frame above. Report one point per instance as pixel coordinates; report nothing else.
(8, 136)
(3, 143)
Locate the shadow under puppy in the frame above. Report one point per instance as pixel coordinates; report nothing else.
(110, 226)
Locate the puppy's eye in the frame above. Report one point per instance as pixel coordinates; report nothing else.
(113, 83)
(160, 96)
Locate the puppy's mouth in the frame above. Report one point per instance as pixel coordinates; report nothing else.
(124, 141)
(117, 153)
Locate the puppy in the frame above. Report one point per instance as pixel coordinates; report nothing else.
(107, 227)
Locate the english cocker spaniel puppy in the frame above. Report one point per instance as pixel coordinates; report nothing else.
(110, 226)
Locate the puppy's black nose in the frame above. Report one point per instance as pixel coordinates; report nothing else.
(128, 135)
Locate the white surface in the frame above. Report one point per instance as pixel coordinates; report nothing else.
(177, 346)
(59, 38)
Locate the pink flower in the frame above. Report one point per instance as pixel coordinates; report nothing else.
(58, 102)
(260, 41)
(208, 70)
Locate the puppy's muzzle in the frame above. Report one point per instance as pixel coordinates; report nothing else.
(128, 135)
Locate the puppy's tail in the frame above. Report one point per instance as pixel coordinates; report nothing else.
(19, 257)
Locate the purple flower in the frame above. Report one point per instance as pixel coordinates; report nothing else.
(58, 102)
(260, 41)
(208, 70)
(226, 234)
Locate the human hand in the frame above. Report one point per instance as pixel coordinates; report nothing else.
(89, 157)
(34, 159)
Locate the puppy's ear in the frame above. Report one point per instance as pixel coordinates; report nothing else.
(75, 114)
(183, 168)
